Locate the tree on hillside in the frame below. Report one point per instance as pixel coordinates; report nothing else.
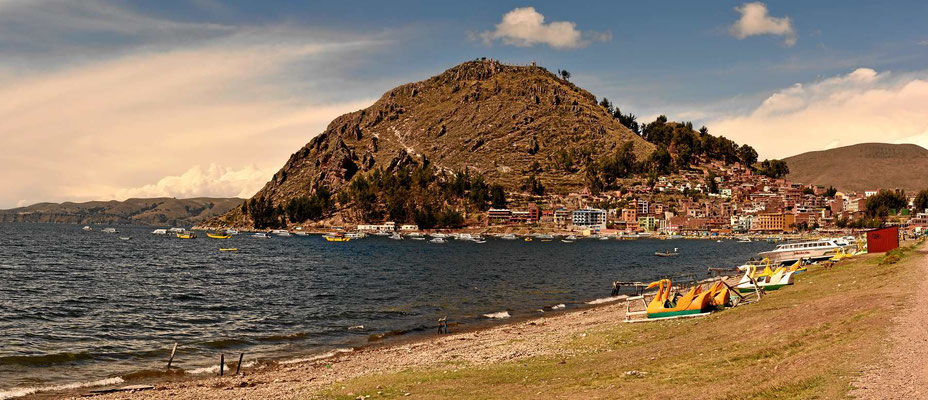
(607, 105)
(497, 196)
(747, 155)
(921, 201)
(831, 192)
(629, 120)
(533, 185)
(775, 169)
(564, 74)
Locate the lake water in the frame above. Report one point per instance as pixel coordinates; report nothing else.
(84, 306)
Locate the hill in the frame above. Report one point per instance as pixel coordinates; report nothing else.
(865, 166)
(500, 122)
(157, 211)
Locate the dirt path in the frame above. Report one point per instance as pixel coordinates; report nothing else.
(904, 374)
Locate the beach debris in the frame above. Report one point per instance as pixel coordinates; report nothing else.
(636, 374)
(170, 360)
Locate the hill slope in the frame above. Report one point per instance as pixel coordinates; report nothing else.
(492, 118)
(865, 166)
(163, 211)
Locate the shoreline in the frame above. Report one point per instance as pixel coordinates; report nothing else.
(387, 340)
(329, 356)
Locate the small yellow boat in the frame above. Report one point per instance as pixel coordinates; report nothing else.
(230, 249)
(218, 235)
(332, 238)
(187, 235)
(528, 239)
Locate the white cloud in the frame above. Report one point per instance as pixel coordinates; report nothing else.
(861, 106)
(212, 181)
(525, 27)
(109, 127)
(756, 20)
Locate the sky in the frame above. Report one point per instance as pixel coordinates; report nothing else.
(108, 100)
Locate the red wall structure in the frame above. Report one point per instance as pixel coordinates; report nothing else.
(883, 239)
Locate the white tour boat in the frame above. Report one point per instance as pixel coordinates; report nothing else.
(814, 250)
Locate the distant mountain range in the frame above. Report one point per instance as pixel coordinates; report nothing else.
(163, 211)
(865, 166)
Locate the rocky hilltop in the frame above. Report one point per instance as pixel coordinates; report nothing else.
(163, 211)
(494, 119)
(865, 166)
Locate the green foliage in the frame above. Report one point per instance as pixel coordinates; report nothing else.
(921, 201)
(808, 190)
(416, 193)
(497, 196)
(685, 145)
(264, 214)
(314, 207)
(711, 184)
(831, 192)
(533, 185)
(880, 204)
(775, 169)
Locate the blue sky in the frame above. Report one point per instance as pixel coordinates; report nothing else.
(210, 97)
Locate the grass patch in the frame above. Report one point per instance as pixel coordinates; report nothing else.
(808, 340)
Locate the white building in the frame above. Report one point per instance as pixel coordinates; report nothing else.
(409, 227)
(385, 227)
(592, 218)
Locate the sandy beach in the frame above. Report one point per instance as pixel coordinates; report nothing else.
(797, 342)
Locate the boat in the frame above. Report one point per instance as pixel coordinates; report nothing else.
(414, 234)
(509, 236)
(673, 253)
(229, 249)
(767, 280)
(381, 233)
(396, 236)
(187, 235)
(176, 230)
(567, 241)
(544, 236)
(744, 240)
(218, 235)
(603, 238)
(355, 235)
(674, 237)
(720, 294)
(464, 236)
(301, 233)
(159, 232)
(417, 238)
(125, 237)
(231, 231)
(260, 235)
(480, 241)
(528, 239)
(812, 250)
(438, 235)
(110, 230)
(571, 237)
(281, 232)
(437, 240)
(87, 228)
(695, 301)
(336, 237)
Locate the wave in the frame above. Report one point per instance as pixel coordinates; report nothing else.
(498, 315)
(322, 356)
(607, 300)
(226, 343)
(25, 391)
(215, 368)
(559, 306)
(45, 360)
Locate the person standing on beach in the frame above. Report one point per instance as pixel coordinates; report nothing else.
(443, 325)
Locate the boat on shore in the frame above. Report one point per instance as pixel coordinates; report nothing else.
(281, 232)
(814, 250)
(509, 236)
(86, 228)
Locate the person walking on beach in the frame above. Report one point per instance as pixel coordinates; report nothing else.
(443, 325)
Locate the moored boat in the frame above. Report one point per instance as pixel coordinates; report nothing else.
(814, 250)
(186, 235)
(218, 235)
(159, 232)
(110, 230)
(87, 228)
(437, 240)
(260, 235)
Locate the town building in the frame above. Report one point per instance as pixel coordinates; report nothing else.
(592, 218)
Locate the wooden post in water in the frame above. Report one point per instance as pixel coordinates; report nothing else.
(239, 366)
(170, 360)
(222, 363)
